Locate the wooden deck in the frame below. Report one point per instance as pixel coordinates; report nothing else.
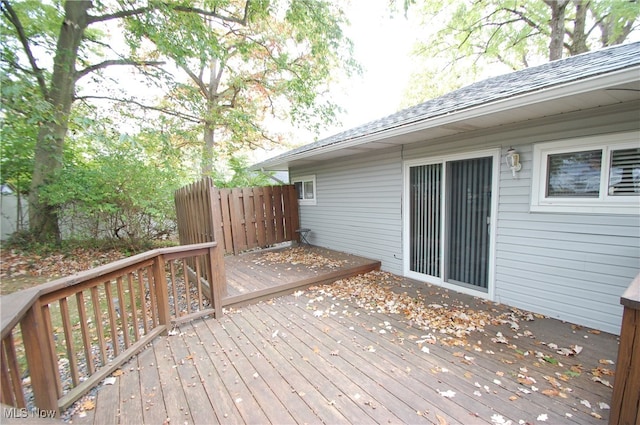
(260, 274)
(316, 357)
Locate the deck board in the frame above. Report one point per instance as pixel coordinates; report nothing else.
(311, 357)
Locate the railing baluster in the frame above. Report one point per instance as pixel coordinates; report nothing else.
(115, 343)
(185, 269)
(199, 283)
(95, 300)
(124, 319)
(14, 369)
(152, 297)
(143, 300)
(6, 396)
(134, 307)
(86, 337)
(68, 338)
(174, 286)
(53, 354)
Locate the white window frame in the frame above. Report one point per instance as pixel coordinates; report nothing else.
(604, 203)
(495, 196)
(303, 180)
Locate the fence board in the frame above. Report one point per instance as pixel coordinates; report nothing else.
(238, 219)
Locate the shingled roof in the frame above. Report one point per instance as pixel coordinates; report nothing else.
(525, 81)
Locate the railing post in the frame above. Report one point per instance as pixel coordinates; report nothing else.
(162, 292)
(218, 279)
(36, 345)
(625, 401)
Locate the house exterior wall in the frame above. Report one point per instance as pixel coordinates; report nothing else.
(358, 206)
(573, 267)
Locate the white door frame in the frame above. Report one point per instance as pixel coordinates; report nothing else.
(406, 216)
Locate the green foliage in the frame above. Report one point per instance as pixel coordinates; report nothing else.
(243, 61)
(464, 39)
(120, 191)
(240, 73)
(240, 176)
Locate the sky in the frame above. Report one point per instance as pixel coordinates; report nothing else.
(382, 45)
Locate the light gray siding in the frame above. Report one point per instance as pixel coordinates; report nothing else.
(358, 206)
(572, 267)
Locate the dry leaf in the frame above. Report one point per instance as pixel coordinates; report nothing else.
(441, 420)
(117, 372)
(88, 405)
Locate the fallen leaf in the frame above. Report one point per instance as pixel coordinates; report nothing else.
(441, 420)
(88, 405)
(117, 372)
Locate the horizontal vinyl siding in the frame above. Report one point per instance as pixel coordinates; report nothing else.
(358, 206)
(572, 267)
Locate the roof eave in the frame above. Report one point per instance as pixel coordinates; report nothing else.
(593, 83)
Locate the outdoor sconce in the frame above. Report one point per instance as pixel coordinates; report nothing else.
(513, 161)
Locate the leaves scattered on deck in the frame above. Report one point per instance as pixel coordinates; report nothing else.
(449, 322)
(299, 256)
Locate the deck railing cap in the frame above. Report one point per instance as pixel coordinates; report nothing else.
(631, 297)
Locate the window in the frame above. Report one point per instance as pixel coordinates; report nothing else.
(306, 188)
(598, 174)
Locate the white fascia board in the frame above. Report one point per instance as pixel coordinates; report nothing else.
(518, 101)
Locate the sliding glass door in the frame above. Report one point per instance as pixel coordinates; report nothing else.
(449, 213)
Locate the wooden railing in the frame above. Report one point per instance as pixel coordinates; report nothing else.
(62, 338)
(625, 402)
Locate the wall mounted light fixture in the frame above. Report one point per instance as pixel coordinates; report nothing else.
(513, 160)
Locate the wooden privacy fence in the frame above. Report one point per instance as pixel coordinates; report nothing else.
(238, 219)
(62, 338)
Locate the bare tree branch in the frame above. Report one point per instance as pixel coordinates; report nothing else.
(182, 115)
(11, 15)
(113, 62)
(178, 8)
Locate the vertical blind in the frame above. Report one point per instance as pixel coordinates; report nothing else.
(624, 174)
(469, 211)
(425, 211)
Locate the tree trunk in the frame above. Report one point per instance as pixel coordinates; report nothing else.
(579, 36)
(43, 218)
(206, 165)
(556, 44)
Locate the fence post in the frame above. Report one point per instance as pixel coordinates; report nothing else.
(36, 347)
(218, 279)
(162, 292)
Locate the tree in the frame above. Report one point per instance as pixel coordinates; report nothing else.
(240, 73)
(74, 34)
(515, 34)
